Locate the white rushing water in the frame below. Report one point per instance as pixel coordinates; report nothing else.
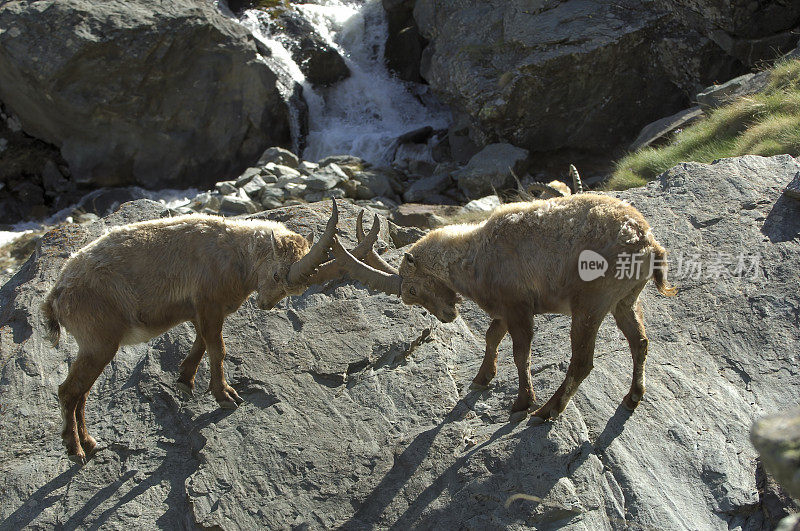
(364, 114)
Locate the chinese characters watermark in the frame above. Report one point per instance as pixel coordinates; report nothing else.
(592, 265)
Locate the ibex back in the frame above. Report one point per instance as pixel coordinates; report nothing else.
(140, 280)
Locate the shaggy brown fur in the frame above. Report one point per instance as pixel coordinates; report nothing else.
(522, 261)
(140, 280)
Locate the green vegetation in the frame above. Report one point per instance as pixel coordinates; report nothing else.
(765, 124)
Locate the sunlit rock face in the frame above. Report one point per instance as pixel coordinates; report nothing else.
(357, 410)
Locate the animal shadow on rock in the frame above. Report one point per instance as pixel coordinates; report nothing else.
(783, 221)
(175, 468)
(407, 463)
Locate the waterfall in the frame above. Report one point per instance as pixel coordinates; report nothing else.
(363, 114)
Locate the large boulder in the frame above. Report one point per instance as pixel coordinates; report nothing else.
(578, 74)
(491, 169)
(357, 411)
(140, 92)
(748, 30)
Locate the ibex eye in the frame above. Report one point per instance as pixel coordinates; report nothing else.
(412, 290)
(277, 277)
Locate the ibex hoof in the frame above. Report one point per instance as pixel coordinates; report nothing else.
(185, 389)
(228, 404)
(79, 459)
(518, 416)
(535, 421)
(478, 387)
(629, 402)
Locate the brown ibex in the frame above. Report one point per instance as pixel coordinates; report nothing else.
(140, 280)
(524, 260)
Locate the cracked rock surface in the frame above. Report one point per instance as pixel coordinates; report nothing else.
(357, 412)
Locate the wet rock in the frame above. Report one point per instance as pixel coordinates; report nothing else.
(320, 63)
(404, 44)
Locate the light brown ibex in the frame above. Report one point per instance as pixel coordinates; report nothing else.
(138, 281)
(524, 260)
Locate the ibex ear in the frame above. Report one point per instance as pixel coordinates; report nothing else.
(310, 237)
(410, 260)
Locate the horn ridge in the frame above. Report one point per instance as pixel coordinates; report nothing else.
(304, 268)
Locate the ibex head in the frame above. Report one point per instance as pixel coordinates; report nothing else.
(290, 267)
(419, 286)
(414, 282)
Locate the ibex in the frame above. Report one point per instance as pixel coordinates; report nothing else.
(140, 280)
(524, 260)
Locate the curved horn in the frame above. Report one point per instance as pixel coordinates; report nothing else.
(333, 269)
(541, 187)
(371, 258)
(577, 184)
(304, 268)
(375, 279)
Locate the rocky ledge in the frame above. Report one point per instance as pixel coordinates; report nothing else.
(357, 412)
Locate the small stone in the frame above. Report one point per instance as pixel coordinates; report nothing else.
(326, 177)
(247, 176)
(282, 172)
(427, 186)
(423, 216)
(295, 190)
(226, 187)
(278, 155)
(236, 205)
(254, 187)
(484, 204)
(343, 160)
(307, 168)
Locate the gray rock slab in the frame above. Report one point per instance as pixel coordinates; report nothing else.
(717, 95)
(357, 411)
(491, 170)
(427, 186)
(658, 130)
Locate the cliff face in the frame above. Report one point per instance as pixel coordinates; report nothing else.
(140, 92)
(357, 411)
(586, 76)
